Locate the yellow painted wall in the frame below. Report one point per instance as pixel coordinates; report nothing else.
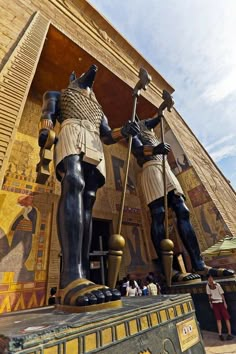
(25, 222)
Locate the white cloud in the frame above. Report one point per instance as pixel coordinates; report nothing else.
(223, 152)
(220, 141)
(221, 89)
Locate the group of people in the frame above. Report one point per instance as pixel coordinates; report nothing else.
(141, 287)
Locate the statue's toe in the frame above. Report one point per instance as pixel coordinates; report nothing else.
(116, 295)
(107, 293)
(195, 276)
(92, 298)
(228, 272)
(99, 295)
(82, 301)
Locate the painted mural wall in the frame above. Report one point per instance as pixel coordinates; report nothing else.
(25, 222)
(206, 219)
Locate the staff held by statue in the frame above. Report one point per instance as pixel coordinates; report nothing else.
(116, 241)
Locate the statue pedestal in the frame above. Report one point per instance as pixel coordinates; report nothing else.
(156, 324)
(204, 313)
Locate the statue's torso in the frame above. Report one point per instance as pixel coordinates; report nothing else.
(80, 117)
(75, 104)
(147, 137)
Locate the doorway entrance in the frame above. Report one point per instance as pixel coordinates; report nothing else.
(99, 250)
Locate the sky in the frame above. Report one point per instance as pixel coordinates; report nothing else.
(191, 43)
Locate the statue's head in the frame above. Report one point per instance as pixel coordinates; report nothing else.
(86, 80)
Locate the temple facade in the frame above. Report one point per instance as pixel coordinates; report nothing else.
(41, 43)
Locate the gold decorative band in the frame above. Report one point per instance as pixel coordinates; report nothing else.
(148, 150)
(73, 284)
(50, 139)
(116, 134)
(45, 124)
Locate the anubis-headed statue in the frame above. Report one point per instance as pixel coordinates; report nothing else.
(80, 167)
(149, 152)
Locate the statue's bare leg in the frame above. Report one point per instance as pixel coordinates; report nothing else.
(190, 241)
(70, 220)
(186, 231)
(75, 289)
(157, 226)
(89, 197)
(158, 233)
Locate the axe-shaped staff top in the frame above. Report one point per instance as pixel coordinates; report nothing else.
(116, 241)
(166, 244)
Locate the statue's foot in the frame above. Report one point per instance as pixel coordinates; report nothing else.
(215, 272)
(82, 292)
(186, 278)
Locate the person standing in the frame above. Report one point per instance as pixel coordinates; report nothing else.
(143, 291)
(219, 306)
(151, 287)
(52, 298)
(131, 289)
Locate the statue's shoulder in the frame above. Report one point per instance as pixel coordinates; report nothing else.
(51, 95)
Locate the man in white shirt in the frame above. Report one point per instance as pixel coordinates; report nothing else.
(219, 306)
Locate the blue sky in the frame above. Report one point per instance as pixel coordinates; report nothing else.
(191, 43)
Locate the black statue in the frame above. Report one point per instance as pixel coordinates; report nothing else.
(149, 153)
(80, 167)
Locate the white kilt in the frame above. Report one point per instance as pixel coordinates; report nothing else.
(152, 181)
(80, 136)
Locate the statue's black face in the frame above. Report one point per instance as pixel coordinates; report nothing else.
(87, 79)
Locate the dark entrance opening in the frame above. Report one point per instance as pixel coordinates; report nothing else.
(99, 249)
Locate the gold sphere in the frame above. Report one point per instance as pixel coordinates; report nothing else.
(167, 245)
(116, 242)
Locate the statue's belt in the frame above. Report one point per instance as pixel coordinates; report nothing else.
(86, 124)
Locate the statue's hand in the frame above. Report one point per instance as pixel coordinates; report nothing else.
(161, 149)
(130, 128)
(43, 135)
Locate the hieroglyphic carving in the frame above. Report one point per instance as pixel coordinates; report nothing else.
(91, 25)
(15, 80)
(214, 182)
(189, 181)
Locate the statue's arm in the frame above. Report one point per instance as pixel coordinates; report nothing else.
(140, 149)
(111, 136)
(151, 123)
(150, 150)
(50, 112)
